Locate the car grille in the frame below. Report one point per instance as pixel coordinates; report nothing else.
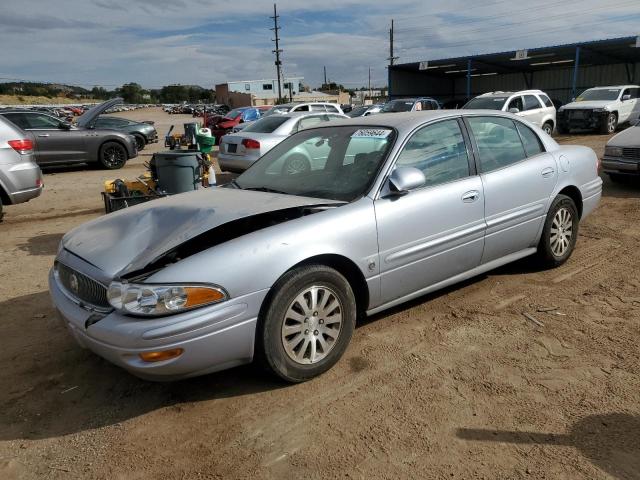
(81, 287)
(579, 114)
(631, 153)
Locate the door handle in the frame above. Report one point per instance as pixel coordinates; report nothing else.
(471, 196)
(547, 172)
(44, 135)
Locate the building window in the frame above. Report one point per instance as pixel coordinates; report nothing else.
(267, 86)
(288, 86)
(247, 86)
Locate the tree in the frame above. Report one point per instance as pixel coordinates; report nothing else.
(132, 93)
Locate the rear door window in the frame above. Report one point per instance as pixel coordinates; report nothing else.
(516, 102)
(37, 121)
(498, 142)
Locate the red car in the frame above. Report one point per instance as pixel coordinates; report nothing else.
(235, 117)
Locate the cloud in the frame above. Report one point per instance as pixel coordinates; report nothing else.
(157, 42)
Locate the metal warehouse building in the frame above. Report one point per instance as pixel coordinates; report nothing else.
(562, 71)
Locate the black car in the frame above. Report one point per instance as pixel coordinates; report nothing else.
(58, 142)
(144, 132)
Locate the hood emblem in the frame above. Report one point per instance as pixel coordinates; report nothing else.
(73, 283)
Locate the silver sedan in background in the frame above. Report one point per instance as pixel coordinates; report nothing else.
(279, 264)
(238, 150)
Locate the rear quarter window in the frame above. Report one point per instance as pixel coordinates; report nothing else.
(546, 100)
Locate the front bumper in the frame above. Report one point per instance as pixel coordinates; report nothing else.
(213, 338)
(620, 166)
(581, 119)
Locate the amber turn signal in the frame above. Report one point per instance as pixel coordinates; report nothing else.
(202, 296)
(161, 355)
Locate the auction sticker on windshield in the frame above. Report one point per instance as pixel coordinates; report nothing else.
(371, 133)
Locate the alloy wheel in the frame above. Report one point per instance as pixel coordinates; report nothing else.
(561, 232)
(611, 123)
(311, 325)
(113, 156)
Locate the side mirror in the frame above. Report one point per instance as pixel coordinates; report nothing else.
(404, 179)
(626, 97)
(514, 110)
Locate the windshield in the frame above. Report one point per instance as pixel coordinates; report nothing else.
(599, 94)
(233, 114)
(398, 106)
(486, 103)
(336, 163)
(277, 109)
(265, 124)
(358, 111)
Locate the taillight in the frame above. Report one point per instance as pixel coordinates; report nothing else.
(250, 143)
(23, 146)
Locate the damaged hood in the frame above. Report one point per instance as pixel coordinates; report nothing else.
(130, 239)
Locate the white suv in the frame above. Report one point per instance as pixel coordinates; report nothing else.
(534, 105)
(601, 108)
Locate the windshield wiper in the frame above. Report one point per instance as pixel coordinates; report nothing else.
(266, 189)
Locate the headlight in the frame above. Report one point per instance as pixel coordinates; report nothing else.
(154, 300)
(613, 151)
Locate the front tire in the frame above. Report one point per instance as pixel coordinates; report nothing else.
(610, 124)
(560, 232)
(112, 155)
(307, 324)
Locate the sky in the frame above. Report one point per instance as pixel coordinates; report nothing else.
(205, 42)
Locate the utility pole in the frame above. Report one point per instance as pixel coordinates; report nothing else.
(391, 57)
(369, 82)
(325, 76)
(277, 51)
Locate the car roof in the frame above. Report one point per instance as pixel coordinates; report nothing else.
(407, 121)
(506, 94)
(613, 86)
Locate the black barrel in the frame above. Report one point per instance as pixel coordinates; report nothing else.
(177, 171)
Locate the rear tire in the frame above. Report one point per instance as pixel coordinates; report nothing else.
(547, 128)
(560, 232)
(112, 155)
(140, 142)
(307, 324)
(609, 124)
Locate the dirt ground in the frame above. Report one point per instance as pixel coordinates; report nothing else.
(455, 385)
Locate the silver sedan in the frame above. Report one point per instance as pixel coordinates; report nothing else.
(238, 150)
(278, 265)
